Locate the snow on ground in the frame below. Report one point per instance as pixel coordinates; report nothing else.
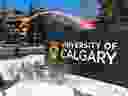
(28, 88)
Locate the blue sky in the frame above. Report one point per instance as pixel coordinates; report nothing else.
(76, 7)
